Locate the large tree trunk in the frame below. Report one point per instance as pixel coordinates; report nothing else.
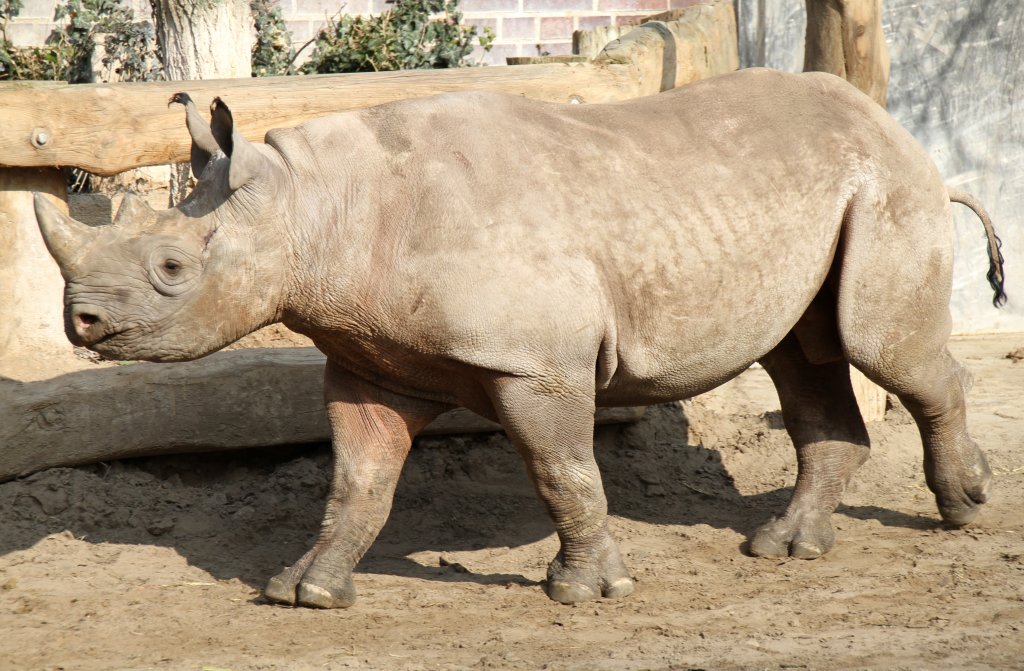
(844, 37)
(203, 39)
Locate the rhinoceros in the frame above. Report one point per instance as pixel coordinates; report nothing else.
(531, 261)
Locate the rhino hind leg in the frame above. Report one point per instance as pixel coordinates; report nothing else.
(822, 418)
(894, 323)
(956, 470)
(372, 434)
(551, 424)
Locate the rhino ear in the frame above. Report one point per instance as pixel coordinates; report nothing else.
(246, 160)
(204, 146)
(222, 125)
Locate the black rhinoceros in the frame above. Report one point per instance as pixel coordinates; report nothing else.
(531, 261)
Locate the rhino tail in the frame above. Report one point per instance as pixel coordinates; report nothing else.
(995, 275)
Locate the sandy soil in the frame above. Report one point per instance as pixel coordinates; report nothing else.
(158, 563)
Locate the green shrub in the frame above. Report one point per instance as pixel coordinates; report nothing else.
(272, 52)
(12, 65)
(130, 46)
(414, 34)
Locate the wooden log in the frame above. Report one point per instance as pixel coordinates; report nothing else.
(110, 128)
(871, 399)
(845, 38)
(229, 400)
(539, 60)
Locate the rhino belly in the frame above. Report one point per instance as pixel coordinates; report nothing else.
(683, 368)
(692, 337)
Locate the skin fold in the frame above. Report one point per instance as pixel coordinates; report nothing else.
(531, 261)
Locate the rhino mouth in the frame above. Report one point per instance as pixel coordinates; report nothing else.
(107, 338)
(115, 346)
(124, 345)
(99, 345)
(89, 340)
(97, 342)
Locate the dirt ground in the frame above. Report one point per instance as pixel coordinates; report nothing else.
(158, 563)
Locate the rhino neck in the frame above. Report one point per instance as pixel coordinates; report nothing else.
(333, 241)
(268, 288)
(247, 249)
(332, 269)
(247, 261)
(248, 290)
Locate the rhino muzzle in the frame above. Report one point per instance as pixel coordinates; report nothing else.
(86, 325)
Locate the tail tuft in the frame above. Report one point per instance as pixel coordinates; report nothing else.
(996, 278)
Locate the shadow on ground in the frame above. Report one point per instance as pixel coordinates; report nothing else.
(245, 514)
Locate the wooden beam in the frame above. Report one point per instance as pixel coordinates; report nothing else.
(110, 128)
(681, 46)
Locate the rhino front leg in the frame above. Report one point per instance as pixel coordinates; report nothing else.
(551, 423)
(372, 433)
(824, 422)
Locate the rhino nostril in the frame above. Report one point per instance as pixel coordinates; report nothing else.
(85, 320)
(87, 326)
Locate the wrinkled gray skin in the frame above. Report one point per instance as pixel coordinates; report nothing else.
(529, 261)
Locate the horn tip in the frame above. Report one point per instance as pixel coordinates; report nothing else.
(39, 200)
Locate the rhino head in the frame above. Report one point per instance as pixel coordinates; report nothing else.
(178, 284)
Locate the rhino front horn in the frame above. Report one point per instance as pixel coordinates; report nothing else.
(65, 238)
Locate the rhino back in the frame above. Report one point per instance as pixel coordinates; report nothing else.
(673, 232)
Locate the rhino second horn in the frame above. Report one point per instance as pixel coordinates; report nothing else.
(133, 210)
(65, 238)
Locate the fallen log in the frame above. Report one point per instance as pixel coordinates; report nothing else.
(229, 400)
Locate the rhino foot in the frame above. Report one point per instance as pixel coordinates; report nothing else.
(802, 536)
(604, 576)
(291, 587)
(960, 505)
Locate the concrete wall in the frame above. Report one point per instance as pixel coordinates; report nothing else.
(521, 27)
(957, 84)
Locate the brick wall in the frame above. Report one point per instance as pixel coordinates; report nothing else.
(521, 27)
(536, 27)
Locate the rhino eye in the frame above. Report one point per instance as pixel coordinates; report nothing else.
(172, 270)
